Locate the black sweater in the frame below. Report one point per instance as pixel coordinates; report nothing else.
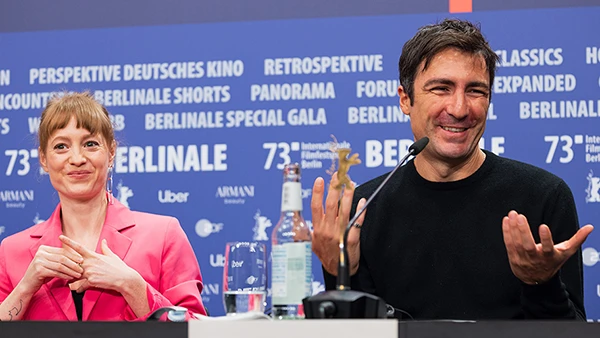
(436, 250)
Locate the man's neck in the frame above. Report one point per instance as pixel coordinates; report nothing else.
(435, 170)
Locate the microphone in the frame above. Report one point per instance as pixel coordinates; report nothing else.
(343, 302)
(343, 277)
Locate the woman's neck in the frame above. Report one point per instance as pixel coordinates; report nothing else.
(82, 221)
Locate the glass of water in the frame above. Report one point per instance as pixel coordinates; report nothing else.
(245, 277)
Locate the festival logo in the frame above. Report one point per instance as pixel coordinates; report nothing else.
(124, 193)
(593, 189)
(261, 223)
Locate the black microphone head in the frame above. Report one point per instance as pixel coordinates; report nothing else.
(418, 146)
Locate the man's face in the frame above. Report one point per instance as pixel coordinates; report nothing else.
(451, 99)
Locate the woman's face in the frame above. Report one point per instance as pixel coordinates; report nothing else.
(77, 162)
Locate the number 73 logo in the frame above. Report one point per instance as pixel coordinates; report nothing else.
(566, 146)
(23, 156)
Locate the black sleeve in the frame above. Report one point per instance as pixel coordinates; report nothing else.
(330, 280)
(562, 296)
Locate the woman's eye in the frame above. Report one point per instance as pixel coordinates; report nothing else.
(91, 143)
(60, 146)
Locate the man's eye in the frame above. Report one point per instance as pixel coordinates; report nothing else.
(479, 92)
(60, 146)
(91, 144)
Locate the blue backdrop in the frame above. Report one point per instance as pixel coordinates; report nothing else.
(207, 113)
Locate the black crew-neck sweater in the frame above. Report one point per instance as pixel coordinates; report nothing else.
(436, 249)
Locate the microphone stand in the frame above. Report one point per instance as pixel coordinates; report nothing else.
(344, 302)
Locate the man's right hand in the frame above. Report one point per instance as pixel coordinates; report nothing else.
(329, 225)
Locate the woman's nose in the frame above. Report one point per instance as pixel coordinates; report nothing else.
(77, 157)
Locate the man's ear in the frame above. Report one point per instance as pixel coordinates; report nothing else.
(43, 160)
(405, 103)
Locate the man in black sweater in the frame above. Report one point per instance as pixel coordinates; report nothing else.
(448, 236)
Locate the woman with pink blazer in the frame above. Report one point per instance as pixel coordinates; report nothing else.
(93, 259)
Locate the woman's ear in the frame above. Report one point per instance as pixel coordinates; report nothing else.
(43, 160)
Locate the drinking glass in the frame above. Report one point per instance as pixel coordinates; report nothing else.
(244, 277)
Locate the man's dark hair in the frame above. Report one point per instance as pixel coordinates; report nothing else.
(433, 39)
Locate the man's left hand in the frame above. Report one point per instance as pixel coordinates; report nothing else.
(535, 263)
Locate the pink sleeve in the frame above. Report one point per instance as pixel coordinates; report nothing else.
(5, 285)
(180, 279)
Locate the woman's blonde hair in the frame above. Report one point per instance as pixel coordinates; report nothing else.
(89, 114)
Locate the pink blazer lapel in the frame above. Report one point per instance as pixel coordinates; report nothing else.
(118, 218)
(56, 288)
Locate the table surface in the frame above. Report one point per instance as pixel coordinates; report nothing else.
(302, 328)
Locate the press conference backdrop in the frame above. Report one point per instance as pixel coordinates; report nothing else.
(210, 102)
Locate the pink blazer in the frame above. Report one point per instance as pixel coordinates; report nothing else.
(155, 246)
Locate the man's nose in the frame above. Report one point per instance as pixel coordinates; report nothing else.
(458, 106)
